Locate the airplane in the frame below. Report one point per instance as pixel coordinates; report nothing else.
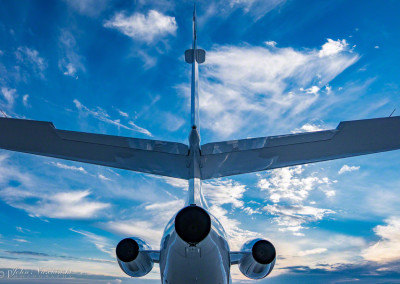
(194, 247)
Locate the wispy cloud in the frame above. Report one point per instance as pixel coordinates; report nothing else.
(90, 8)
(9, 96)
(101, 243)
(67, 167)
(148, 28)
(25, 100)
(292, 218)
(243, 84)
(31, 58)
(103, 116)
(61, 205)
(21, 240)
(70, 62)
(312, 251)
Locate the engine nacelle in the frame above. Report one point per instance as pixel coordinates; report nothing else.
(192, 224)
(260, 259)
(132, 257)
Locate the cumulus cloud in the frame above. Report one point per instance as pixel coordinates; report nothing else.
(387, 249)
(288, 184)
(148, 28)
(103, 116)
(333, 47)
(308, 127)
(70, 62)
(271, 43)
(347, 168)
(243, 84)
(288, 189)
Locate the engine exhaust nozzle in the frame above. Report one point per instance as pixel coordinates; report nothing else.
(127, 250)
(192, 224)
(263, 252)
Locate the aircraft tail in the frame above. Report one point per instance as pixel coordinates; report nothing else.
(195, 56)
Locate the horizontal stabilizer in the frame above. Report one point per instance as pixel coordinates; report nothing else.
(142, 155)
(350, 138)
(200, 56)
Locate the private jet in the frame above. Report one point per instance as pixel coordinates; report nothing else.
(194, 247)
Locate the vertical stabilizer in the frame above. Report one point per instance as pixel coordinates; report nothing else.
(195, 56)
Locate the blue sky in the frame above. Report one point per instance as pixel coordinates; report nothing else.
(273, 67)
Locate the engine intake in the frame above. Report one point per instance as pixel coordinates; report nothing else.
(192, 224)
(133, 258)
(260, 259)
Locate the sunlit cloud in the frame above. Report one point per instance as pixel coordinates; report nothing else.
(148, 28)
(347, 168)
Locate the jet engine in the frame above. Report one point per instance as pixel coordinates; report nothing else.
(192, 224)
(133, 258)
(258, 258)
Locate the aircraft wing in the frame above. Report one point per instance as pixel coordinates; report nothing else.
(142, 155)
(350, 138)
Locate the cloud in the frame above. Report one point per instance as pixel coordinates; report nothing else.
(66, 167)
(25, 100)
(387, 249)
(30, 57)
(136, 228)
(101, 243)
(103, 116)
(23, 230)
(61, 205)
(9, 95)
(271, 43)
(309, 127)
(312, 251)
(288, 189)
(102, 177)
(222, 192)
(277, 87)
(21, 240)
(333, 47)
(90, 8)
(70, 62)
(256, 8)
(124, 114)
(288, 184)
(347, 168)
(293, 217)
(148, 28)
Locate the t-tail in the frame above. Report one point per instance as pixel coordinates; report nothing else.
(195, 56)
